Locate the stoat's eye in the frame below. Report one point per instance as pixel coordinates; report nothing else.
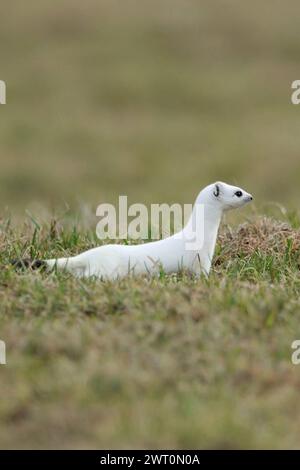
(239, 193)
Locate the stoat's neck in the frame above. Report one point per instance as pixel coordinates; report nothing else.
(211, 220)
(210, 217)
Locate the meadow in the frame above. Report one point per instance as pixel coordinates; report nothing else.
(153, 100)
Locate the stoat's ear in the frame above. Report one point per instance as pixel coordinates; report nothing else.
(217, 190)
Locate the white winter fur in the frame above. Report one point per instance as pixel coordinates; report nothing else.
(170, 254)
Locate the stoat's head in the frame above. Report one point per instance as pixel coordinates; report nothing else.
(225, 196)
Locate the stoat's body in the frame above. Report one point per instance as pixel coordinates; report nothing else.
(170, 254)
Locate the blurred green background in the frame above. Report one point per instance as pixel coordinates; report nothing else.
(152, 99)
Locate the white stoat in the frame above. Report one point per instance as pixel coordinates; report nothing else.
(110, 262)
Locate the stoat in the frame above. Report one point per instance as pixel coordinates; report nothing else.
(179, 251)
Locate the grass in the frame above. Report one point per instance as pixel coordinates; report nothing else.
(169, 362)
(153, 100)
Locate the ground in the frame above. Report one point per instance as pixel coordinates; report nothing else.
(171, 362)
